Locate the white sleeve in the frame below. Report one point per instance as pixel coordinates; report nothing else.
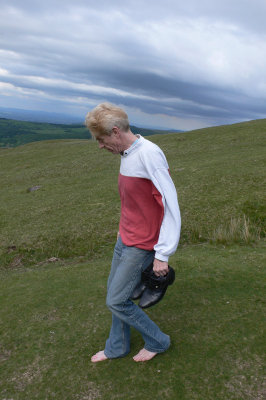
(171, 224)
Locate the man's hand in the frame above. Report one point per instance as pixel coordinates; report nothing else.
(160, 268)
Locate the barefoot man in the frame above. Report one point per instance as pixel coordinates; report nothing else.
(149, 229)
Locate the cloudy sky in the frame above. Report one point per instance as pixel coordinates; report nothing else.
(179, 64)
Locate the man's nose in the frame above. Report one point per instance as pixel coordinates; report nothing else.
(101, 145)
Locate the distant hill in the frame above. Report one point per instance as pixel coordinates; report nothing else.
(149, 132)
(15, 133)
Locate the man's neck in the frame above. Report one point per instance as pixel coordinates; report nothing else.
(129, 139)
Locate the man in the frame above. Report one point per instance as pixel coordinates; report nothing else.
(149, 229)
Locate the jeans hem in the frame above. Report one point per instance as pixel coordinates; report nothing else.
(153, 350)
(114, 357)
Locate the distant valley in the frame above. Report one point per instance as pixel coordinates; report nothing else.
(16, 133)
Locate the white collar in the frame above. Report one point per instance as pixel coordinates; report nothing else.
(134, 145)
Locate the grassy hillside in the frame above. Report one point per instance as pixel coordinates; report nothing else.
(16, 133)
(53, 314)
(218, 173)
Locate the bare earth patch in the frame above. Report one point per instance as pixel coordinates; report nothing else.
(32, 373)
(91, 393)
(247, 383)
(4, 354)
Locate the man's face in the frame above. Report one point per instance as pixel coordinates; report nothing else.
(111, 143)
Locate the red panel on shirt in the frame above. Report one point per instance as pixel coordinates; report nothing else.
(142, 212)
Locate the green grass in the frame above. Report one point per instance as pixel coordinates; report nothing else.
(53, 314)
(54, 318)
(218, 173)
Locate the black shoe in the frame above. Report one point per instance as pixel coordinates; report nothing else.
(151, 297)
(137, 292)
(156, 286)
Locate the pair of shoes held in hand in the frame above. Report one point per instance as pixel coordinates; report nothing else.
(152, 288)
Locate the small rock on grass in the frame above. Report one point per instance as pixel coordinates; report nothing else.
(33, 188)
(53, 259)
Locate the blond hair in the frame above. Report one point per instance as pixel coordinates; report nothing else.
(101, 120)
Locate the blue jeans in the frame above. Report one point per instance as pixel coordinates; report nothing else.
(127, 265)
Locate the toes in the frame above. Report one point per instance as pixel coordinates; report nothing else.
(100, 356)
(144, 355)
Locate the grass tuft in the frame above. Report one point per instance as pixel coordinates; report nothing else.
(238, 230)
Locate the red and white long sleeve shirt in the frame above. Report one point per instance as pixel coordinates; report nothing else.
(150, 217)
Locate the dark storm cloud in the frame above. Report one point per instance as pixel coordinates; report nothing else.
(167, 61)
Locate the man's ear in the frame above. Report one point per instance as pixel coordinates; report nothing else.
(116, 131)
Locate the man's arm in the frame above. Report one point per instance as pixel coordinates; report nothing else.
(158, 170)
(171, 224)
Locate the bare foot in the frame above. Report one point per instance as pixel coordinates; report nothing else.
(100, 356)
(144, 355)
